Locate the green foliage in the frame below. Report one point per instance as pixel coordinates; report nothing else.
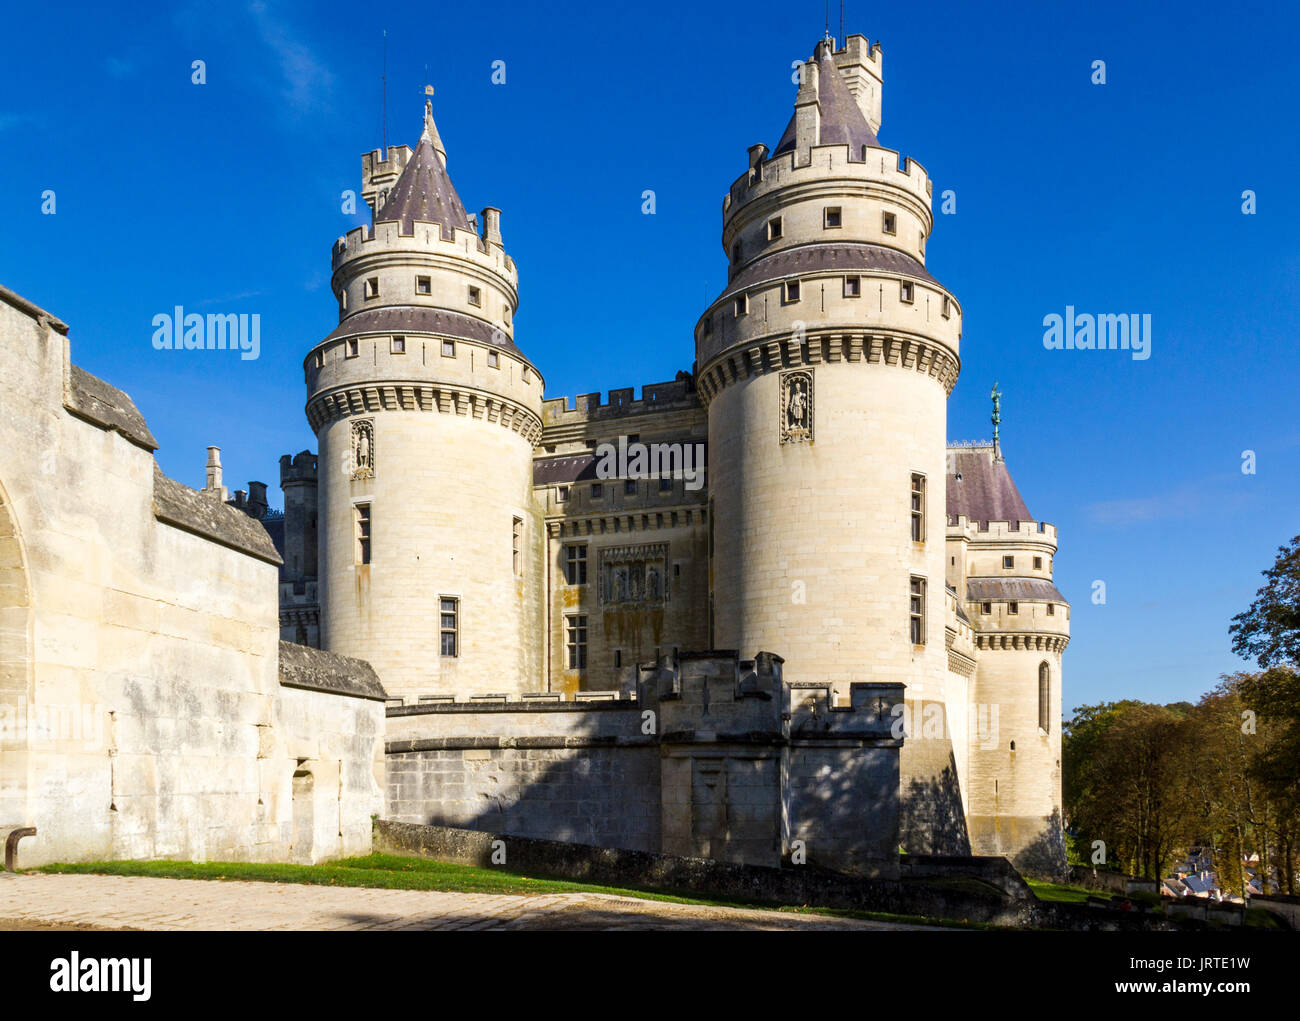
(1269, 632)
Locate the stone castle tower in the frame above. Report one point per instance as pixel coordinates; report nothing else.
(472, 547)
(419, 388)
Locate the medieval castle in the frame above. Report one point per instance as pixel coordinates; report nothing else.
(846, 640)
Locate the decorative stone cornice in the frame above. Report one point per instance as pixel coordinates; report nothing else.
(1030, 642)
(447, 398)
(830, 346)
(641, 520)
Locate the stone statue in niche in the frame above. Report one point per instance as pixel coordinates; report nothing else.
(797, 406)
(363, 449)
(652, 584)
(633, 575)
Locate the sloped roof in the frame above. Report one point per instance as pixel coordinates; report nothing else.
(826, 258)
(181, 507)
(842, 120)
(90, 398)
(422, 319)
(981, 488)
(980, 590)
(317, 670)
(424, 191)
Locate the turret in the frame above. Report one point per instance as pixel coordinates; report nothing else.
(426, 414)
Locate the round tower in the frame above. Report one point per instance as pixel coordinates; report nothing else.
(426, 414)
(826, 365)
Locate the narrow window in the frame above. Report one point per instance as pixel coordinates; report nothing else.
(707, 328)
(907, 292)
(523, 374)
(372, 287)
(735, 252)
(742, 304)
(947, 307)
(1008, 562)
(890, 223)
(320, 359)
(791, 291)
(399, 345)
(475, 295)
(450, 625)
(449, 349)
(618, 658)
(362, 517)
(918, 611)
(349, 349)
(853, 287)
(1044, 698)
(494, 360)
(1013, 607)
(629, 487)
(576, 628)
(665, 484)
(1038, 563)
(343, 301)
(575, 565)
(423, 285)
(561, 494)
(1051, 609)
(832, 217)
(597, 490)
(986, 607)
(774, 228)
(918, 507)
(517, 545)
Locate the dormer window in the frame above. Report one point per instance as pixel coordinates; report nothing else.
(853, 287)
(475, 295)
(372, 287)
(791, 291)
(774, 228)
(890, 223)
(907, 292)
(742, 304)
(832, 217)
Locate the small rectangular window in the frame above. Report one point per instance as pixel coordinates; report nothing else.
(707, 328)
(350, 348)
(907, 292)
(629, 487)
(918, 507)
(494, 360)
(1038, 563)
(597, 490)
(742, 304)
(1008, 562)
(986, 607)
(362, 529)
(399, 345)
(833, 218)
(890, 223)
(947, 307)
(575, 565)
(618, 658)
(450, 625)
(561, 494)
(449, 349)
(517, 546)
(1013, 607)
(774, 228)
(665, 484)
(791, 291)
(372, 287)
(475, 295)
(853, 287)
(576, 637)
(917, 611)
(1051, 609)
(423, 285)
(343, 300)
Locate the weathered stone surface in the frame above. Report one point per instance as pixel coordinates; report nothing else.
(316, 670)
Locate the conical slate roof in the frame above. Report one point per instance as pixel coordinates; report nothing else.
(981, 488)
(424, 191)
(842, 121)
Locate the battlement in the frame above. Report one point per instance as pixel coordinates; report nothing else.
(378, 174)
(675, 395)
(299, 469)
(1031, 532)
(363, 242)
(874, 165)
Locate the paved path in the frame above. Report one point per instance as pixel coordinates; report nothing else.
(139, 902)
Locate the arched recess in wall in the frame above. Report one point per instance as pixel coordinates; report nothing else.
(15, 666)
(1044, 697)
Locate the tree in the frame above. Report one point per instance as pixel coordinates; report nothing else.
(1269, 632)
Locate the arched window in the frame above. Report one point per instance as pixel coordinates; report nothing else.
(1044, 698)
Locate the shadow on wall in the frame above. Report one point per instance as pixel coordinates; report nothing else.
(1044, 856)
(931, 820)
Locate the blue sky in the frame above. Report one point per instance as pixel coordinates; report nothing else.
(1123, 197)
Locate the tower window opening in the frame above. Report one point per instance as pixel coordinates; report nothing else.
(320, 359)
(774, 228)
(343, 301)
(735, 252)
(517, 546)
(890, 224)
(917, 611)
(423, 285)
(494, 360)
(629, 487)
(1044, 698)
(1051, 609)
(1008, 562)
(907, 292)
(449, 349)
(618, 658)
(561, 494)
(372, 287)
(947, 307)
(791, 291)
(475, 295)
(399, 345)
(833, 218)
(597, 490)
(1013, 607)
(918, 507)
(665, 483)
(853, 287)
(986, 608)
(575, 565)
(350, 349)
(362, 531)
(450, 625)
(707, 328)
(576, 635)
(742, 304)
(1038, 563)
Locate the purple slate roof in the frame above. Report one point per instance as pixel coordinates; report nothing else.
(842, 121)
(552, 470)
(825, 258)
(981, 590)
(981, 488)
(422, 319)
(425, 192)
